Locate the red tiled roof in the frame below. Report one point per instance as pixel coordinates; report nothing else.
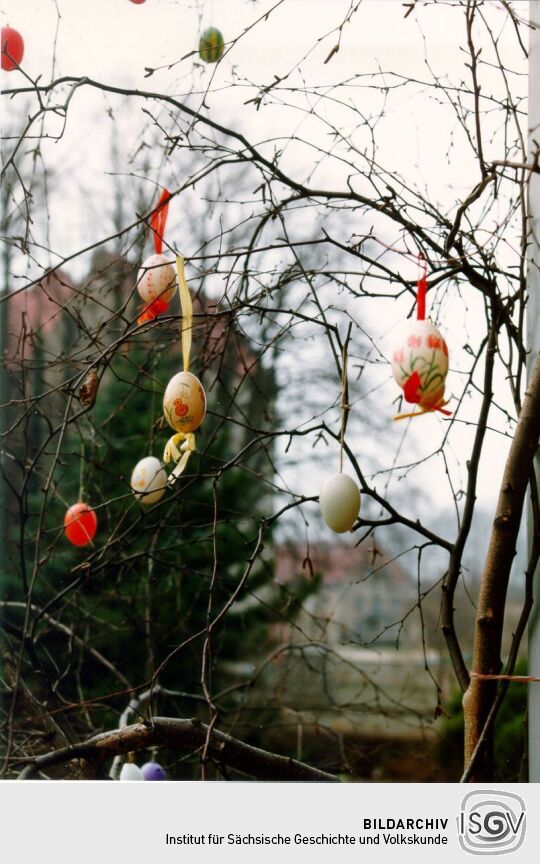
(338, 562)
(36, 310)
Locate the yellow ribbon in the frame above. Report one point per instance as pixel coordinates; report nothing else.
(180, 447)
(187, 312)
(423, 410)
(412, 414)
(176, 451)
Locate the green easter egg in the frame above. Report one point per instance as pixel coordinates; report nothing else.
(211, 45)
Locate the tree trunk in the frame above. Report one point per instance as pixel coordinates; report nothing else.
(481, 692)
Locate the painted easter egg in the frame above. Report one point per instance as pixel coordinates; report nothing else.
(211, 45)
(149, 480)
(130, 771)
(12, 49)
(156, 279)
(420, 362)
(339, 500)
(80, 524)
(184, 402)
(153, 771)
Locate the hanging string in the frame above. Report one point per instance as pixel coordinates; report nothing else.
(421, 289)
(181, 445)
(520, 679)
(81, 472)
(344, 397)
(158, 220)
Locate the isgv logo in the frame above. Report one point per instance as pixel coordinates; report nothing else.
(491, 823)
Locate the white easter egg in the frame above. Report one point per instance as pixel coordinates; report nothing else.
(130, 771)
(339, 500)
(420, 362)
(157, 278)
(149, 480)
(184, 402)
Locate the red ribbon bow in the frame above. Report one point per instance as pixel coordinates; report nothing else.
(158, 221)
(421, 289)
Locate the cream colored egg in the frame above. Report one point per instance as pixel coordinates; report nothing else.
(130, 771)
(339, 500)
(184, 402)
(419, 347)
(149, 480)
(157, 278)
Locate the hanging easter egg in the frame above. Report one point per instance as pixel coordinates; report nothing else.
(153, 771)
(80, 524)
(420, 363)
(156, 280)
(12, 49)
(149, 480)
(211, 45)
(339, 500)
(184, 402)
(130, 771)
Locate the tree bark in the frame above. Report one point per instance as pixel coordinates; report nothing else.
(185, 735)
(480, 695)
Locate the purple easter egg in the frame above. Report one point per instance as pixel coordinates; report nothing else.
(153, 771)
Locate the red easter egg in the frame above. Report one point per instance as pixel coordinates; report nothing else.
(80, 524)
(12, 48)
(137, 2)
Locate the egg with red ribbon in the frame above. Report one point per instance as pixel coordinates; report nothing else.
(419, 362)
(156, 280)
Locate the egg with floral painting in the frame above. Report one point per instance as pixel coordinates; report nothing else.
(149, 480)
(156, 279)
(419, 361)
(184, 402)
